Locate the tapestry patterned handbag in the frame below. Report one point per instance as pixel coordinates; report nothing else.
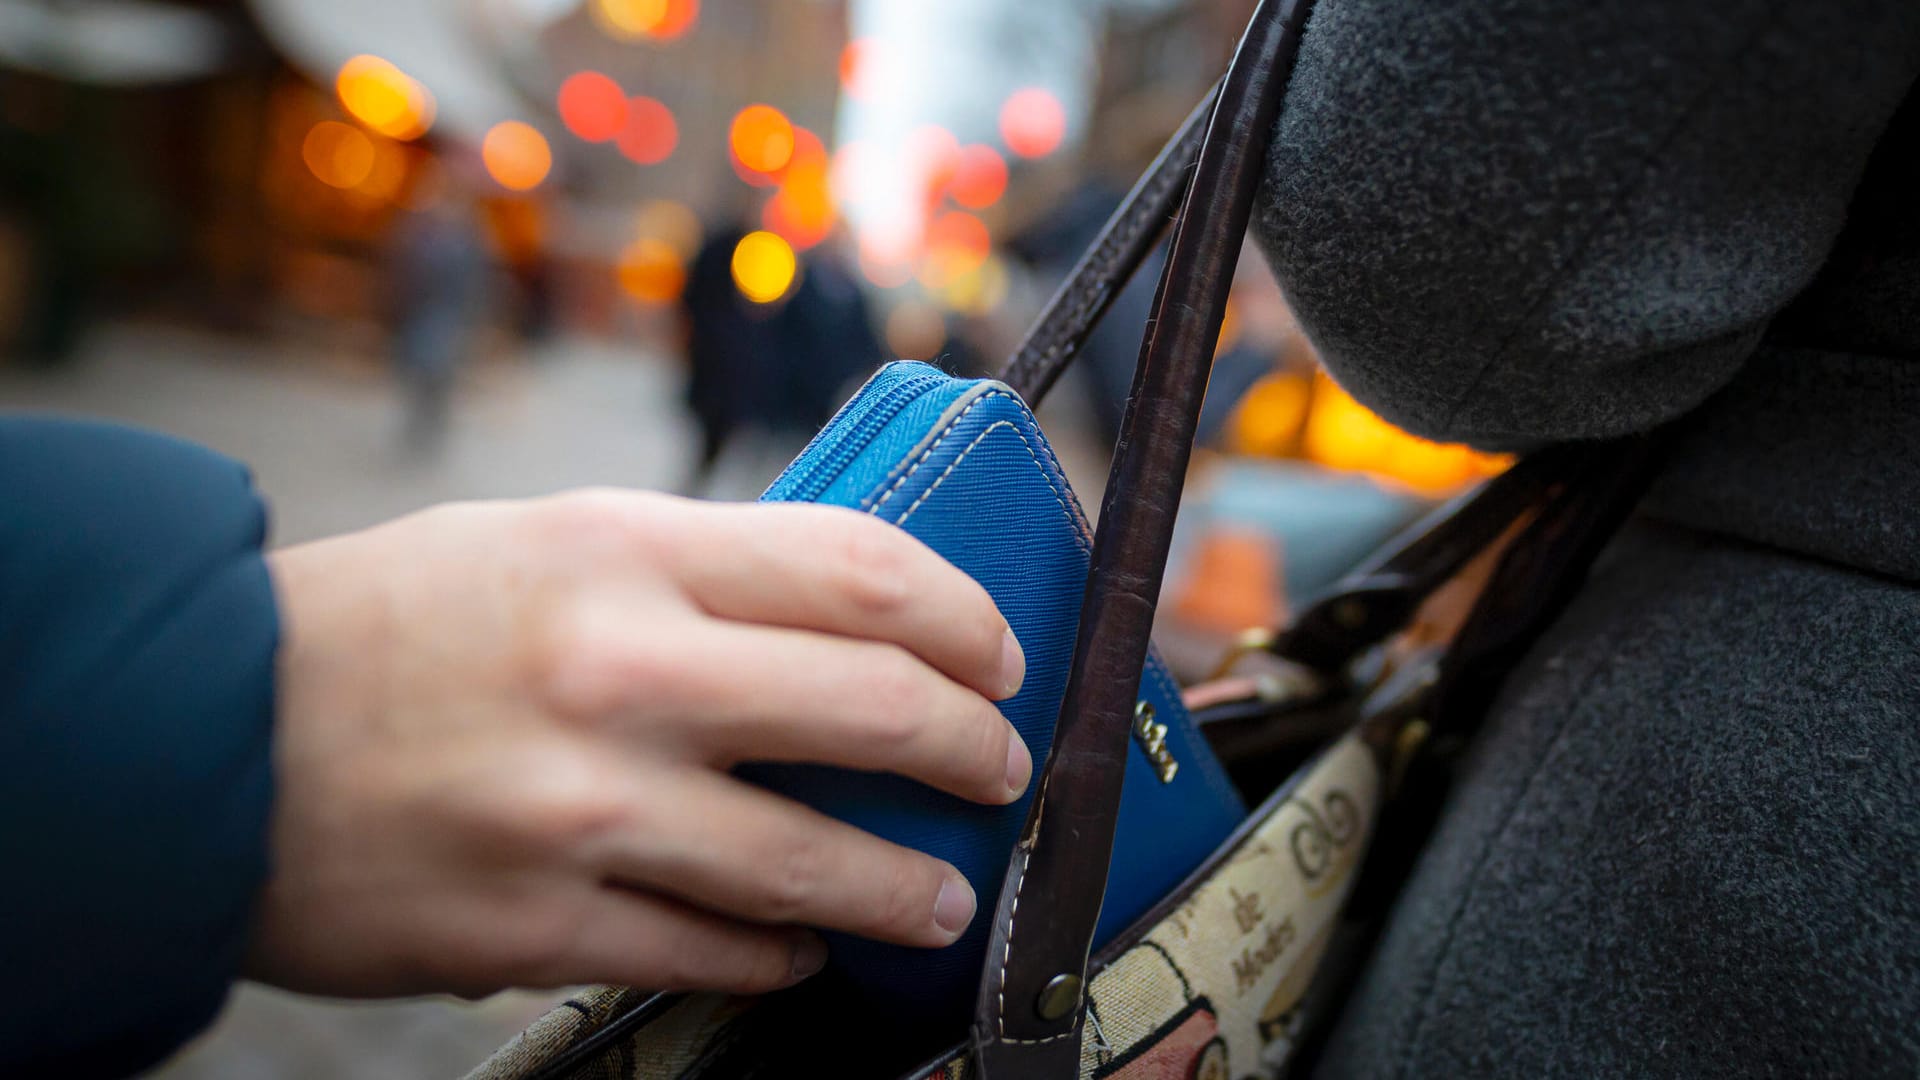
(1148, 925)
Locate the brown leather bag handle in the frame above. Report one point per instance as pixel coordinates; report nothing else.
(1029, 1015)
(1110, 262)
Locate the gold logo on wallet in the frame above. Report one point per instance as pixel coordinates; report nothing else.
(1152, 738)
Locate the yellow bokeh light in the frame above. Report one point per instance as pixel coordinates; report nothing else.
(1343, 434)
(633, 20)
(1267, 419)
(517, 156)
(340, 155)
(628, 19)
(764, 267)
(652, 272)
(384, 98)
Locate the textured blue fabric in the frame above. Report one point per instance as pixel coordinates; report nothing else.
(961, 465)
(137, 636)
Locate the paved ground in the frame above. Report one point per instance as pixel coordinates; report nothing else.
(323, 437)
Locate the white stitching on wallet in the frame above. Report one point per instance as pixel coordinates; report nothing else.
(1040, 799)
(931, 447)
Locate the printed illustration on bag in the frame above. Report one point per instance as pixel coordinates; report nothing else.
(1214, 990)
(1187, 1047)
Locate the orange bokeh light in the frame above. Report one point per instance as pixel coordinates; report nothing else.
(386, 99)
(802, 210)
(516, 155)
(751, 178)
(680, 17)
(1033, 122)
(809, 154)
(980, 179)
(957, 244)
(339, 155)
(761, 139)
(593, 106)
(650, 134)
(389, 173)
(652, 272)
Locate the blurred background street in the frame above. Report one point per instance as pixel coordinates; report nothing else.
(331, 460)
(396, 252)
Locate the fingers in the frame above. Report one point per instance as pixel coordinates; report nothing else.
(847, 573)
(629, 938)
(732, 847)
(758, 693)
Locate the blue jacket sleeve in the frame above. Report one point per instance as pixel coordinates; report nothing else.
(137, 639)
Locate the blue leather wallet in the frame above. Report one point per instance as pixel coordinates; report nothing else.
(961, 465)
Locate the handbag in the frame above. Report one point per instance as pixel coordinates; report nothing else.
(1089, 965)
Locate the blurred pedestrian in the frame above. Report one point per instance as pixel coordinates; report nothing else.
(771, 371)
(441, 277)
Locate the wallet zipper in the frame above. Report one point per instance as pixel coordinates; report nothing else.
(878, 412)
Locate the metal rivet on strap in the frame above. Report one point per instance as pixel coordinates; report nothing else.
(1060, 998)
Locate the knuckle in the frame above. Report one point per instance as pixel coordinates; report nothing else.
(787, 891)
(899, 697)
(587, 670)
(989, 743)
(986, 630)
(596, 517)
(583, 508)
(550, 804)
(904, 910)
(575, 818)
(876, 592)
(876, 567)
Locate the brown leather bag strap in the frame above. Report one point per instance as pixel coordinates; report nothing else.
(1029, 1015)
(1124, 241)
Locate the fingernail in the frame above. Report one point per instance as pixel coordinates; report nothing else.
(809, 957)
(1013, 665)
(953, 908)
(1019, 764)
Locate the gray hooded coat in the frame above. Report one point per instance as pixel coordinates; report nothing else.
(1687, 841)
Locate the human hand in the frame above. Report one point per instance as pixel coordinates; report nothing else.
(505, 731)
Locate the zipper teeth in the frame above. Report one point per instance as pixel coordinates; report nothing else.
(841, 453)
